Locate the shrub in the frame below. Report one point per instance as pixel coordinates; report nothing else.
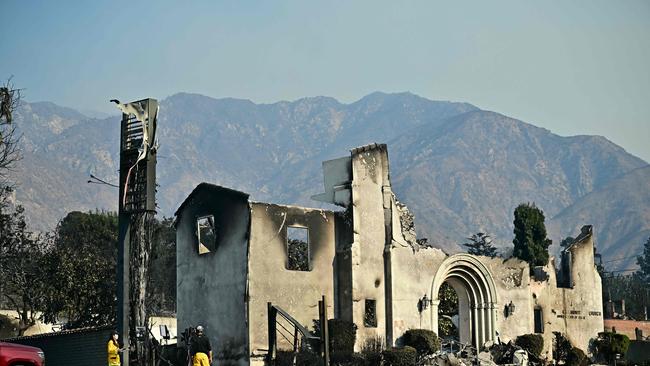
(371, 351)
(532, 343)
(405, 356)
(608, 344)
(561, 347)
(358, 359)
(576, 357)
(424, 341)
(342, 334)
(354, 359)
(304, 357)
(564, 351)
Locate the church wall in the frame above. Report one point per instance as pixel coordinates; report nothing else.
(412, 274)
(211, 287)
(296, 292)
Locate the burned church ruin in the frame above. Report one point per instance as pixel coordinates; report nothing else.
(235, 256)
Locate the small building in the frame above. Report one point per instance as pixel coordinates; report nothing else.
(235, 255)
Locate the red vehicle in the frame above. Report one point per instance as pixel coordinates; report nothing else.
(12, 354)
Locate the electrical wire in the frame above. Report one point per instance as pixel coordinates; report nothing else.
(620, 259)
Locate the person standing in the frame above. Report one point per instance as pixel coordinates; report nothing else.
(201, 349)
(113, 350)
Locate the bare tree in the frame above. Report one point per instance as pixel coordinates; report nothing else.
(9, 154)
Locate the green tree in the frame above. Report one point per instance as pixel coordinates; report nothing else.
(608, 345)
(162, 272)
(22, 254)
(566, 241)
(531, 243)
(629, 288)
(644, 264)
(481, 244)
(82, 267)
(447, 308)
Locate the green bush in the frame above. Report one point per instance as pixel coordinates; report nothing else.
(424, 341)
(354, 359)
(304, 357)
(564, 351)
(405, 356)
(576, 357)
(371, 351)
(532, 343)
(358, 359)
(343, 335)
(609, 344)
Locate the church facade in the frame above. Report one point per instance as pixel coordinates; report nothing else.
(234, 256)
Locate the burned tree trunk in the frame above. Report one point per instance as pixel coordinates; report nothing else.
(141, 239)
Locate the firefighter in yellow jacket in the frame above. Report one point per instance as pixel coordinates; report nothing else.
(201, 349)
(113, 350)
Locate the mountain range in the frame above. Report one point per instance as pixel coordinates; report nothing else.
(460, 169)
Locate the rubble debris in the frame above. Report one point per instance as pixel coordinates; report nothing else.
(511, 277)
(407, 221)
(520, 358)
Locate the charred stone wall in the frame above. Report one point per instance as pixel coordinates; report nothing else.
(211, 287)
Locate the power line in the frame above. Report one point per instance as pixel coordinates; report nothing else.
(620, 259)
(620, 271)
(100, 181)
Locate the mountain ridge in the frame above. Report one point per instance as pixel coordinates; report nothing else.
(459, 168)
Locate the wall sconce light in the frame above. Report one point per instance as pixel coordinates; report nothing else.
(510, 309)
(424, 303)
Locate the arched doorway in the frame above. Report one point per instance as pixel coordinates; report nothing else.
(477, 298)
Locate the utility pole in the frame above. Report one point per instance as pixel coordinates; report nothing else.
(136, 209)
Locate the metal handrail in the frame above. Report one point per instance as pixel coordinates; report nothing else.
(304, 331)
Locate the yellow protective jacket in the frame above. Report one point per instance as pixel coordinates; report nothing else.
(113, 354)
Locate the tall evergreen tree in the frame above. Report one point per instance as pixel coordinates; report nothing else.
(531, 243)
(644, 263)
(481, 244)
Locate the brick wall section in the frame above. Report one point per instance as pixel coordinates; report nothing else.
(627, 327)
(80, 347)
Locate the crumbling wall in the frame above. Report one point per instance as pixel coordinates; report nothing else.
(297, 292)
(211, 287)
(371, 202)
(577, 312)
(511, 278)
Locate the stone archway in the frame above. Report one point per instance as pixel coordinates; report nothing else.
(477, 298)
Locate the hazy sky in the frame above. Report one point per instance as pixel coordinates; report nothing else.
(574, 67)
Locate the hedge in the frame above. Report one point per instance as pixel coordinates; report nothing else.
(532, 343)
(405, 356)
(576, 358)
(342, 336)
(424, 341)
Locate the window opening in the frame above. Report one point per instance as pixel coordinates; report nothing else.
(298, 249)
(539, 320)
(370, 316)
(206, 234)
